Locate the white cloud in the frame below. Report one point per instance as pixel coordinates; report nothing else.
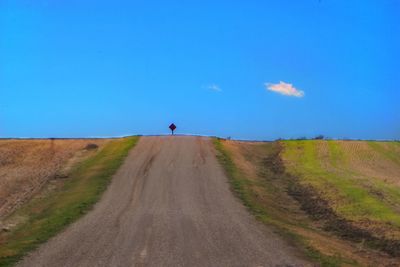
(284, 89)
(214, 88)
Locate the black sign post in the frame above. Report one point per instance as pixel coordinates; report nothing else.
(172, 127)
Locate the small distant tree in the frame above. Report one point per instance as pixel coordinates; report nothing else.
(319, 137)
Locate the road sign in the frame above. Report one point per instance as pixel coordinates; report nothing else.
(172, 127)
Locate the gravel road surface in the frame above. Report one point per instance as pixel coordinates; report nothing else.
(168, 205)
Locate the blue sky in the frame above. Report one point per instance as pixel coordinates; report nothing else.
(109, 68)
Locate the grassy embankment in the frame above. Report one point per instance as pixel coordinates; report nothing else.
(337, 201)
(48, 214)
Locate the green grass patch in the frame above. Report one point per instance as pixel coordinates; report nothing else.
(353, 201)
(336, 155)
(49, 215)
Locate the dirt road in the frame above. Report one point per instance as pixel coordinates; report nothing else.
(169, 205)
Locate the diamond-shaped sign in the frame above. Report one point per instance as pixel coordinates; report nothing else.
(172, 127)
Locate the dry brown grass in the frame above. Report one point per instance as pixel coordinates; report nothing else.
(27, 165)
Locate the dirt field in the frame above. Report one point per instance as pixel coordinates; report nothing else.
(168, 205)
(26, 165)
